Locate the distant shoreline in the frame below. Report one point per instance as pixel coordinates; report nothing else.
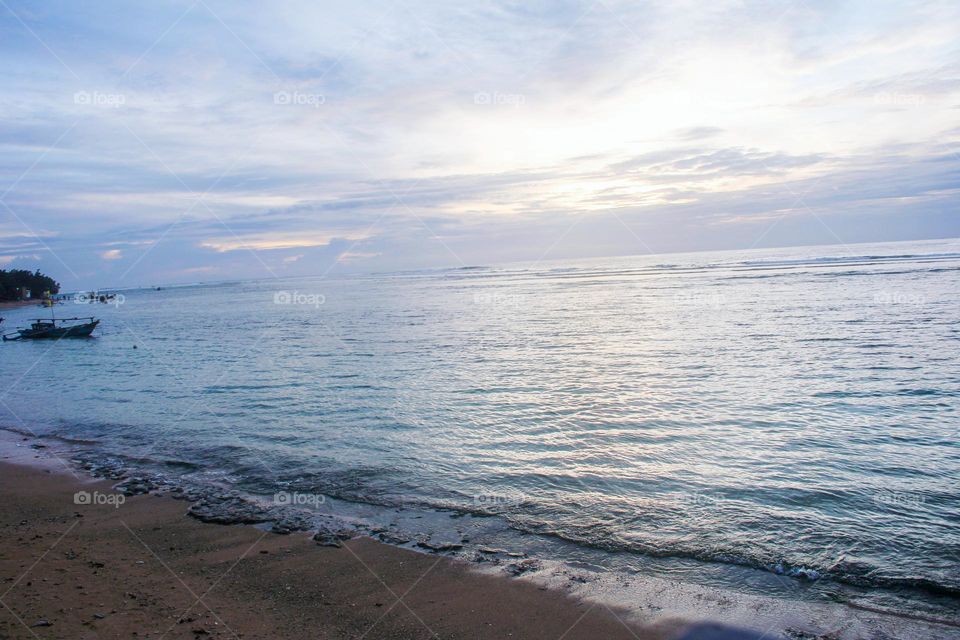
(14, 304)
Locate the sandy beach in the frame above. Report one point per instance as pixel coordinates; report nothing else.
(14, 304)
(142, 569)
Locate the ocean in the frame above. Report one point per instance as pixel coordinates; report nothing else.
(776, 423)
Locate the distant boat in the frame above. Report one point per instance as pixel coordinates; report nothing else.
(48, 329)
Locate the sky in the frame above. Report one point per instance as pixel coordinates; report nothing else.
(186, 141)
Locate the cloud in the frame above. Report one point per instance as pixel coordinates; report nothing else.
(10, 259)
(699, 133)
(691, 128)
(274, 241)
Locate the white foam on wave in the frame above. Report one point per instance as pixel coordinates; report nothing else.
(662, 602)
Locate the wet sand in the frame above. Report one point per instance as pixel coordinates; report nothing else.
(13, 304)
(142, 569)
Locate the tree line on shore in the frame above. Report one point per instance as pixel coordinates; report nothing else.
(13, 283)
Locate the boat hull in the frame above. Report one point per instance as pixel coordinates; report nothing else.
(56, 333)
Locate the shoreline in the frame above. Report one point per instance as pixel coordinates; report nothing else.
(644, 601)
(16, 304)
(138, 566)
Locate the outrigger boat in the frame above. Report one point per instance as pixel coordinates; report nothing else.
(48, 329)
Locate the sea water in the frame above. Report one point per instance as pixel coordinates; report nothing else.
(777, 422)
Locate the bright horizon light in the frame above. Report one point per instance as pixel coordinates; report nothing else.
(150, 144)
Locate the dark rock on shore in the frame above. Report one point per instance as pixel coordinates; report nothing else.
(135, 486)
(331, 538)
(522, 567)
(287, 523)
(439, 546)
(227, 510)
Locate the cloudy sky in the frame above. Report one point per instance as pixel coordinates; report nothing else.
(184, 141)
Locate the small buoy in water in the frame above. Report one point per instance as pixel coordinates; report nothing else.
(134, 346)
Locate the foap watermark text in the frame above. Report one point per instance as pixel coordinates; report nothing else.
(297, 499)
(99, 99)
(299, 99)
(299, 298)
(97, 498)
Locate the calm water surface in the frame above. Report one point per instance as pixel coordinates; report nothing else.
(794, 411)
